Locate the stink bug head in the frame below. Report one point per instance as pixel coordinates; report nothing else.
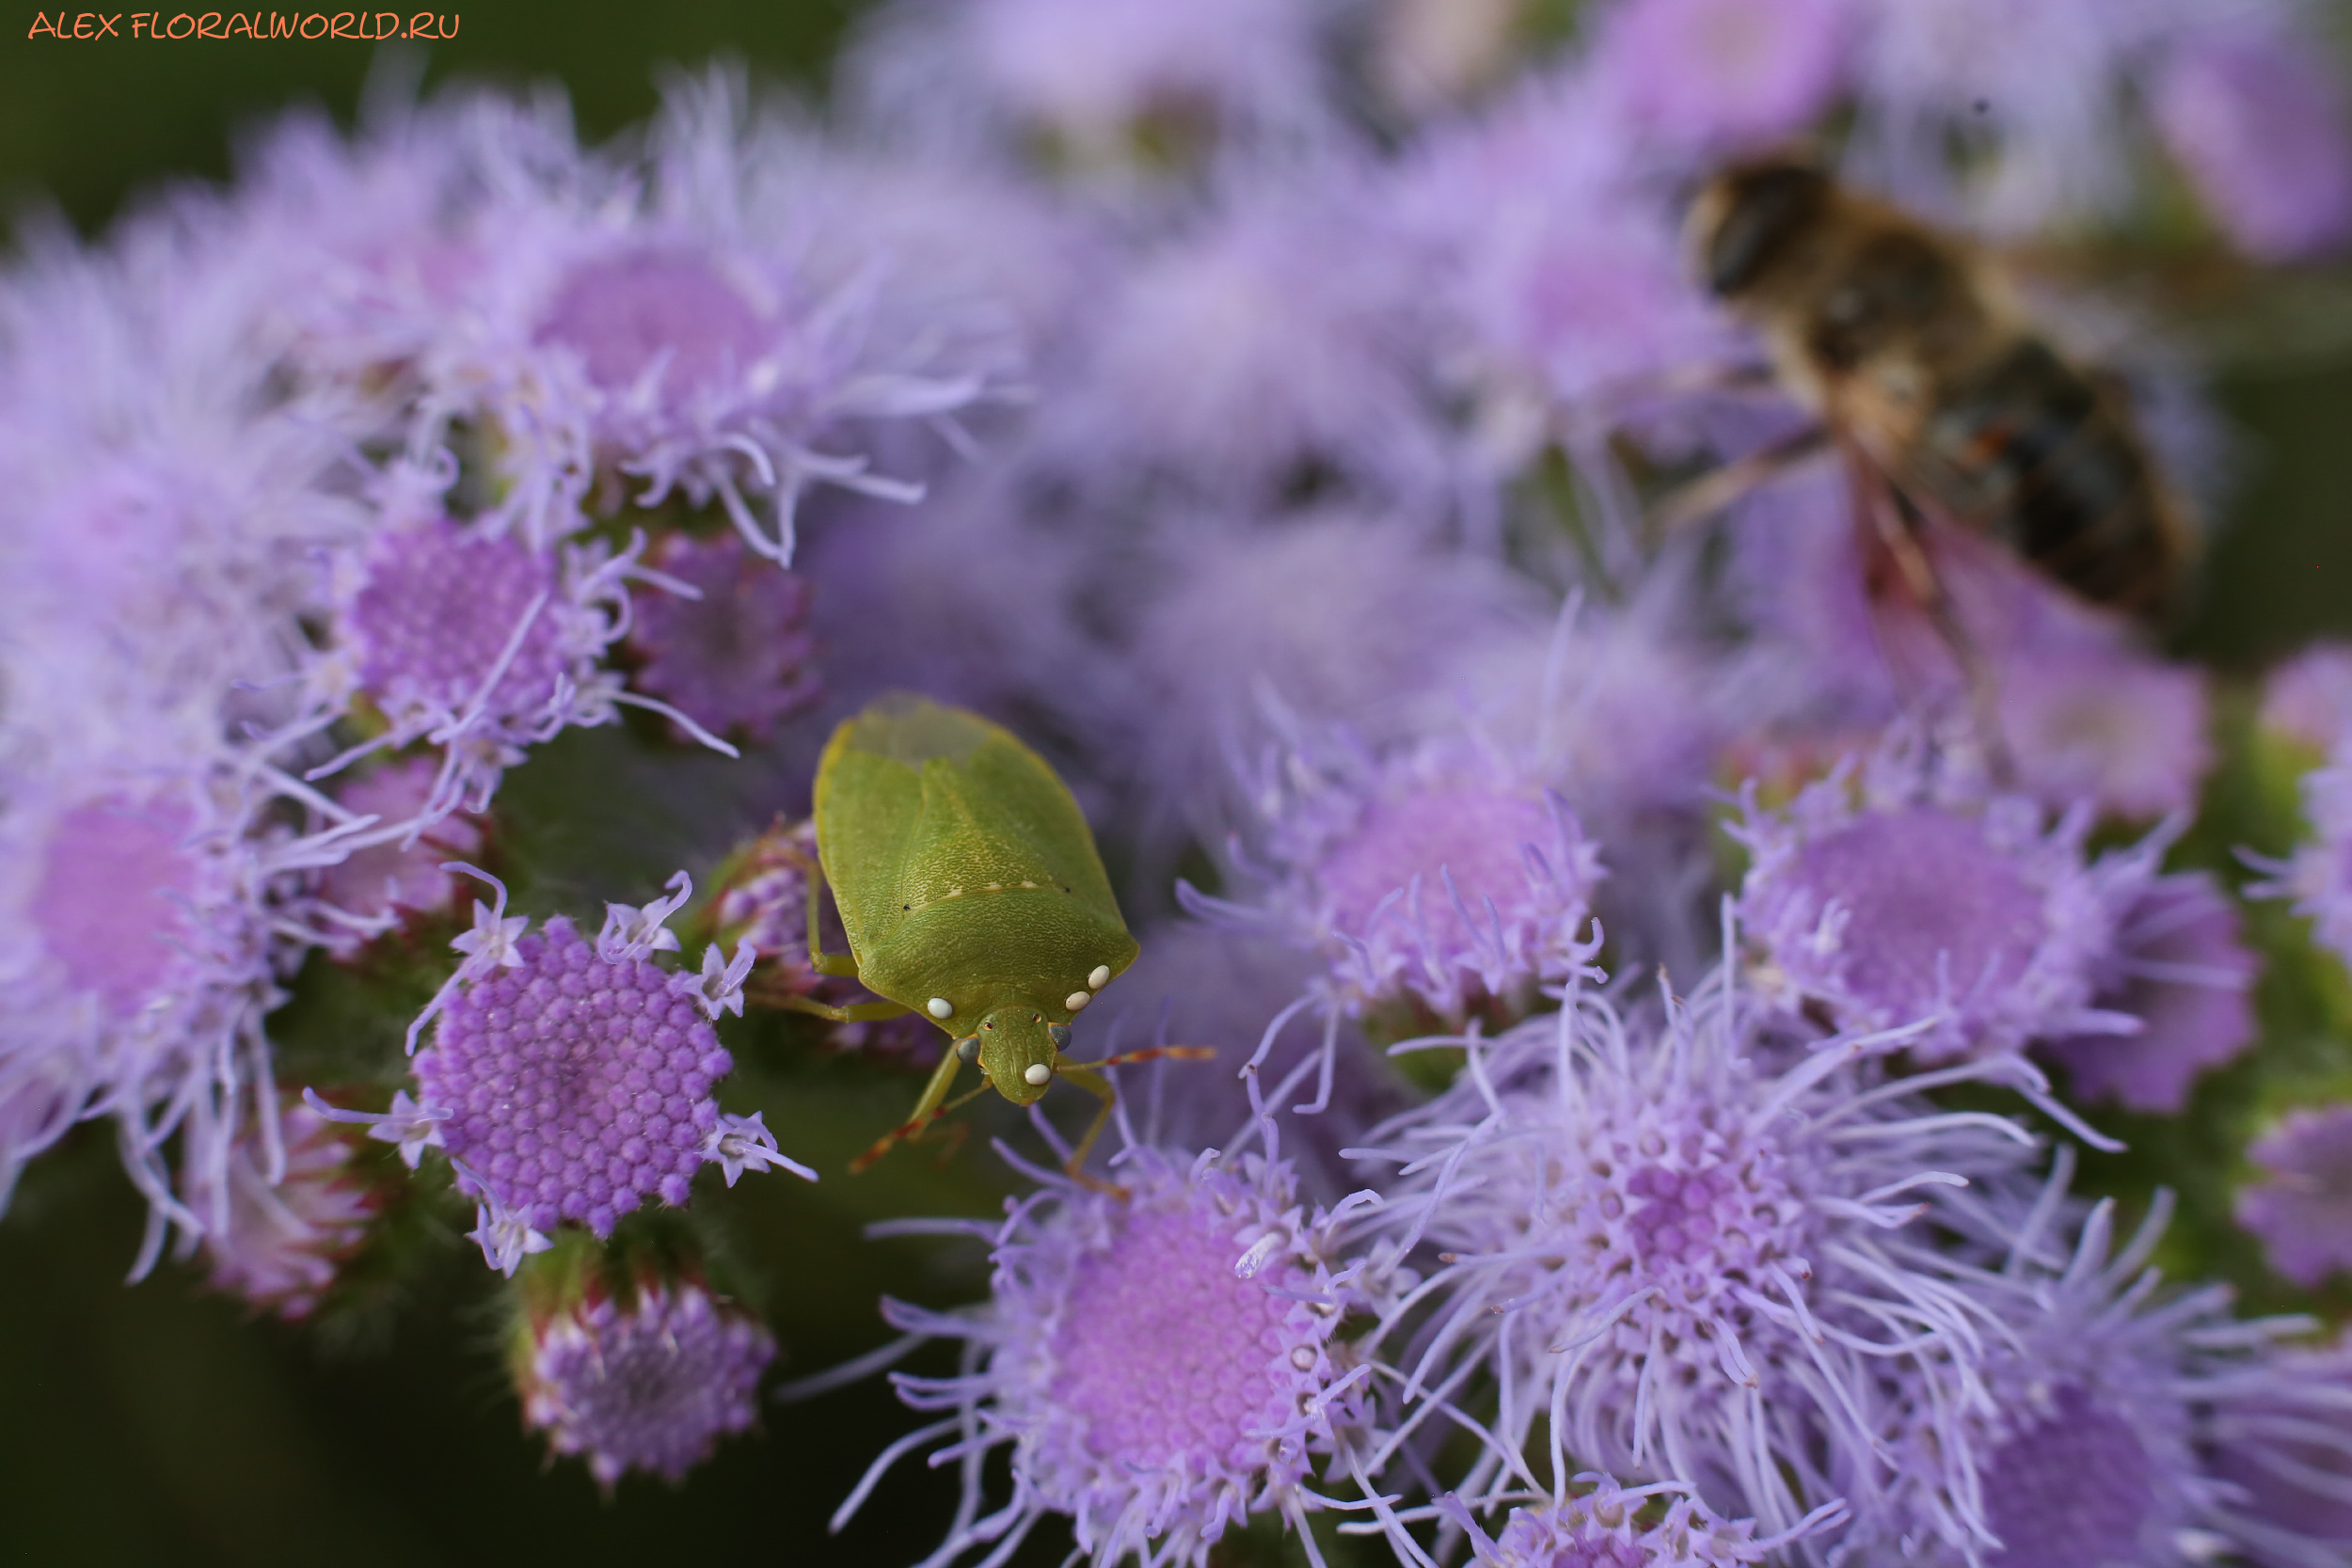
(1018, 1050)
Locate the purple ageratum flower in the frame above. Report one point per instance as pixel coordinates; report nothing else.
(2318, 875)
(143, 931)
(2285, 1457)
(2183, 969)
(572, 1081)
(1445, 875)
(1887, 905)
(387, 875)
(2301, 1208)
(1280, 335)
(1114, 93)
(1709, 75)
(1164, 1361)
(1602, 1528)
(737, 655)
(1675, 1260)
(1558, 278)
(649, 324)
(651, 1384)
(2097, 1401)
(2309, 698)
(286, 1239)
(479, 644)
(2256, 117)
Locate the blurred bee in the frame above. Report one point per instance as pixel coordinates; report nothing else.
(1923, 371)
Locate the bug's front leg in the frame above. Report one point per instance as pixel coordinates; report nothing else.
(925, 1110)
(819, 959)
(1094, 1083)
(855, 1012)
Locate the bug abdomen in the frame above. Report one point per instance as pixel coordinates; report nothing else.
(2030, 451)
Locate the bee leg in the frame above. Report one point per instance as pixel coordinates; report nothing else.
(1708, 494)
(819, 959)
(1897, 524)
(926, 1110)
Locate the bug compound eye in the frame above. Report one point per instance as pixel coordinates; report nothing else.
(1059, 1034)
(968, 1048)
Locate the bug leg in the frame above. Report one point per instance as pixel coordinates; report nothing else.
(1708, 494)
(855, 1012)
(1087, 1078)
(926, 1111)
(819, 959)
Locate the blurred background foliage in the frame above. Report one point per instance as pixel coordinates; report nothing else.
(165, 1424)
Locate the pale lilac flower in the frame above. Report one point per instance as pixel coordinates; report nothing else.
(1602, 1527)
(392, 875)
(412, 1127)
(739, 1144)
(2318, 875)
(1164, 1362)
(2309, 698)
(634, 931)
(762, 902)
(2283, 1449)
(2183, 969)
(1893, 898)
(1676, 1258)
(2301, 1207)
(1279, 339)
(143, 933)
(1445, 875)
(1114, 94)
(285, 1239)
(2098, 1397)
(1715, 74)
(650, 1384)
(2106, 725)
(718, 989)
(2256, 117)
(739, 655)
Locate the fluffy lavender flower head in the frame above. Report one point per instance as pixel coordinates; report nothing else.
(740, 656)
(2286, 1454)
(285, 1240)
(2309, 697)
(2180, 968)
(1602, 1528)
(393, 874)
(1896, 906)
(1707, 75)
(1163, 1361)
(1443, 875)
(2318, 875)
(2258, 122)
(579, 1086)
(1279, 337)
(1675, 1259)
(2100, 1394)
(2302, 1207)
(651, 1386)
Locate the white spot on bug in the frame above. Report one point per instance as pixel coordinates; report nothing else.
(955, 893)
(1101, 977)
(1038, 1072)
(1077, 1000)
(939, 1006)
(1028, 884)
(994, 887)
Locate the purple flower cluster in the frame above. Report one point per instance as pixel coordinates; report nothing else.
(649, 1385)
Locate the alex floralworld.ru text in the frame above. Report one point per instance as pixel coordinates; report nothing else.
(243, 24)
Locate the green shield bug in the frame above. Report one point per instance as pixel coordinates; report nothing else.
(972, 893)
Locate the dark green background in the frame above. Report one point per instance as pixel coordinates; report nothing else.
(158, 1425)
